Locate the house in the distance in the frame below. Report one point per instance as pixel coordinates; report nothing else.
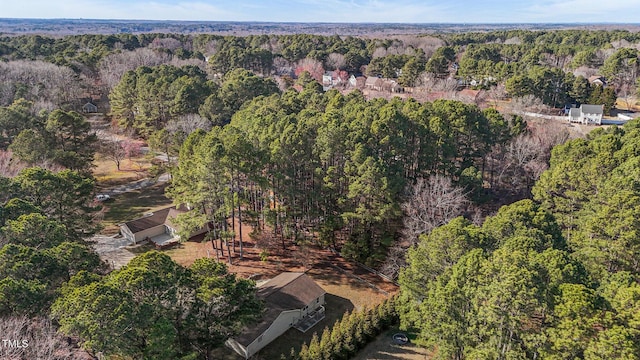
(598, 80)
(157, 227)
(586, 114)
(334, 78)
(373, 83)
(292, 300)
(357, 81)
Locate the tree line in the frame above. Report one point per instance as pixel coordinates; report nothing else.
(545, 64)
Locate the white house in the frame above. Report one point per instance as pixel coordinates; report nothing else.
(292, 300)
(586, 114)
(156, 227)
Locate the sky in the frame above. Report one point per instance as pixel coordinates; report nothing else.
(351, 11)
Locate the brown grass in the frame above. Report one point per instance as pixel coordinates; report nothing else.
(634, 103)
(107, 174)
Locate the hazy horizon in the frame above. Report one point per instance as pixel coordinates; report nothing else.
(333, 11)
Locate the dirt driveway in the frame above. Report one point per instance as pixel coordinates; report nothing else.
(383, 348)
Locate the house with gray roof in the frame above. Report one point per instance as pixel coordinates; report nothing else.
(292, 300)
(586, 114)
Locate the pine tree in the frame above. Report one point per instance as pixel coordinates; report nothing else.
(326, 346)
(304, 353)
(359, 334)
(293, 355)
(314, 348)
(337, 337)
(368, 328)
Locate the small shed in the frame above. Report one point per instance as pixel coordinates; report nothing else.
(89, 108)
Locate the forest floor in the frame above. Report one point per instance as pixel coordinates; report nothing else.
(348, 286)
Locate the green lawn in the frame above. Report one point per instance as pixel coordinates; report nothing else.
(131, 205)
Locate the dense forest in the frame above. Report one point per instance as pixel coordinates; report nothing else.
(551, 65)
(552, 278)
(408, 185)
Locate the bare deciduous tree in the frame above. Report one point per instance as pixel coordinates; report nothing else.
(336, 61)
(33, 339)
(394, 261)
(177, 62)
(188, 123)
(430, 203)
(44, 81)
(165, 43)
(521, 162)
(282, 66)
(432, 83)
(312, 66)
(519, 105)
(113, 150)
(379, 52)
(622, 43)
(117, 148)
(513, 41)
(496, 93)
(113, 66)
(585, 71)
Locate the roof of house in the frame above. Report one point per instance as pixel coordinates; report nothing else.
(157, 218)
(287, 291)
(373, 81)
(574, 112)
(290, 290)
(591, 109)
(596, 78)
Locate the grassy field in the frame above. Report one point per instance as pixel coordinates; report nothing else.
(107, 174)
(187, 252)
(132, 205)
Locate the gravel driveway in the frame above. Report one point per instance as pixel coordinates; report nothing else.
(112, 249)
